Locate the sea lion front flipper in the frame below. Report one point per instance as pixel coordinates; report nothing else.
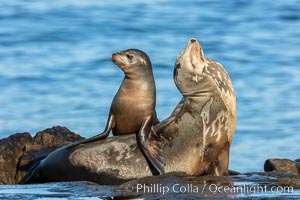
(151, 145)
(109, 126)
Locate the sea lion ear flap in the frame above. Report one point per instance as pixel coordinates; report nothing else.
(143, 62)
(202, 55)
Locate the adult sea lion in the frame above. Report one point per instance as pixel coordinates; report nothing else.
(197, 135)
(199, 132)
(133, 108)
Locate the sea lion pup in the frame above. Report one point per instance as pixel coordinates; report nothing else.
(199, 132)
(133, 108)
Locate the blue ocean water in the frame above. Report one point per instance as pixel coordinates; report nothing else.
(55, 66)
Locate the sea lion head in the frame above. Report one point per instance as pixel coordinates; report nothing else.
(131, 60)
(188, 70)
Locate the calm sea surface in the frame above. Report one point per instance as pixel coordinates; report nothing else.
(55, 66)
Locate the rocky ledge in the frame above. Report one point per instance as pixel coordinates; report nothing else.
(282, 165)
(19, 152)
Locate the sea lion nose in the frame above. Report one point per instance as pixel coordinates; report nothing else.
(193, 40)
(113, 57)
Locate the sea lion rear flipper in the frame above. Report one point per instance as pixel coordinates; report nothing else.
(151, 145)
(109, 126)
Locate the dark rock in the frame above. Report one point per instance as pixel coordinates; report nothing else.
(233, 173)
(55, 136)
(281, 165)
(298, 164)
(19, 152)
(11, 151)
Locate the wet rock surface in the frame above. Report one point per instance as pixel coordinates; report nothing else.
(168, 186)
(19, 152)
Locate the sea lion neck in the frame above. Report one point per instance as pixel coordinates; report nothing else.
(139, 73)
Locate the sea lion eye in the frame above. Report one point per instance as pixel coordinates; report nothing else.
(178, 66)
(130, 57)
